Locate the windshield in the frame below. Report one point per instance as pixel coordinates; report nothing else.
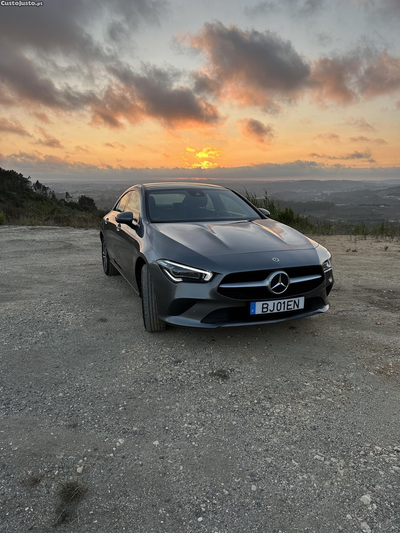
(197, 205)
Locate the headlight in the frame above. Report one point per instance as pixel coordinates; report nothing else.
(178, 272)
(325, 258)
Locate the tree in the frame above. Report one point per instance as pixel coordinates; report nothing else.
(13, 181)
(87, 203)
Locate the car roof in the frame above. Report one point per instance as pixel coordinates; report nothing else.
(180, 185)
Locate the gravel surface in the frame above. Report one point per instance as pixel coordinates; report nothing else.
(104, 427)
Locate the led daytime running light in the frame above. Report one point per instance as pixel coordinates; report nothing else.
(178, 272)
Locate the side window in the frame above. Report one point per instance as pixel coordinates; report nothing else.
(133, 203)
(120, 205)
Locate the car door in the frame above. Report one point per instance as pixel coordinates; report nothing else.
(110, 229)
(128, 242)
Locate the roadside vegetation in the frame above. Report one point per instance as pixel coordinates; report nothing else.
(324, 227)
(26, 203)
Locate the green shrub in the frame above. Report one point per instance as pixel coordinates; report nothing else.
(286, 216)
(2, 218)
(322, 227)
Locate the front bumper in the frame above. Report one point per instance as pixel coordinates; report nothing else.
(201, 305)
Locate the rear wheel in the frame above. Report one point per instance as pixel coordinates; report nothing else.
(108, 267)
(149, 303)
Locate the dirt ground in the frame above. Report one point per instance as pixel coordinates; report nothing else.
(292, 427)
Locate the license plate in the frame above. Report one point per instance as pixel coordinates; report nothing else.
(276, 306)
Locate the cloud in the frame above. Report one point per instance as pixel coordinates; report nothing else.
(360, 124)
(209, 152)
(116, 145)
(262, 8)
(333, 79)
(43, 53)
(205, 164)
(295, 8)
(22, 80)
(42, 117)
(261, 69)
(45, 164)
(357, 75)
(328, 137)
(203, 84)
(249, 67)
(13, 127)
(154, 93)
(254, 129)
(381, 75)
(58, 27)
(346, 157)
(130, 14)
(46, 167)
(391, 8)
(49, 140)
(324, 39)
(113, 106)
(387, 10)
(364, 139)
(69, 27)
(82, 148)
(56, 59)
(209, 157)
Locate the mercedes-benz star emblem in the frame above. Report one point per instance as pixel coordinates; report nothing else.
(278, 282)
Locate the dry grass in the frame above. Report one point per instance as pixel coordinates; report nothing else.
(70, 495)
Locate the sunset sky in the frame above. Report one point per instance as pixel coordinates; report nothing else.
(95, 89)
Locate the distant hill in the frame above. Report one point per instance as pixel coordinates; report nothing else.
(24, 202)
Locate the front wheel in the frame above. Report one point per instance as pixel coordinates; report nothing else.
(108, 267)
(149, 303)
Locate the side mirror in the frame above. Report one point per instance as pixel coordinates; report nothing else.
(264, 212)
(126, 218)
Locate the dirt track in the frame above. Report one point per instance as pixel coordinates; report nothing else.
(282, 428)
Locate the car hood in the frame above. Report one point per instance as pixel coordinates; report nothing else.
(212, 239)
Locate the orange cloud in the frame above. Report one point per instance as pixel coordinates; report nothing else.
(115, 145)
(153, 93)
(48, 140)
(254, 129)
(345, 157)
(263, 70)
(209, 152)
(360, 74)
(205, 164)
(209, 156)
(42, 116)
(249, 67)
(363, 139)
(13, 127)
(328, 137)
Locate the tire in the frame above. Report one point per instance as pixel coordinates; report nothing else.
(108, 267)
(149, 303)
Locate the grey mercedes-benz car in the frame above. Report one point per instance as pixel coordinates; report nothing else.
(203, 256)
